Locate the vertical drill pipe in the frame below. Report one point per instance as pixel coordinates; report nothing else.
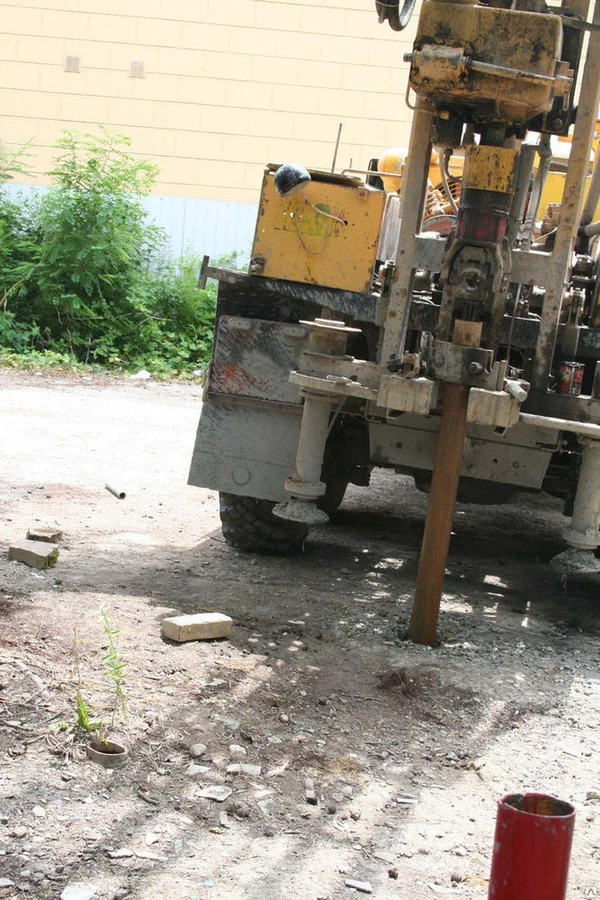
(436, 539)
(414, 188)
(570, 209)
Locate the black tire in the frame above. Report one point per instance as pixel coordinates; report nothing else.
(331, 500)
(249, 524)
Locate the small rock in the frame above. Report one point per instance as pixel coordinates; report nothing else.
(224, 819)
(20, 831)
(152, 838)
(309, 791)
(237, 750)
(244, 769)
(39, 811)
(77, 890)
(393, 872)
(121, 853)
(148, 854)
(363, 886)
(194, 771)
(593, 794)
(142, 375)
(284, 718)
(197, 750)
(239, 809)
(355, 815)
(460, 851)
(6, 883)
(218, 792)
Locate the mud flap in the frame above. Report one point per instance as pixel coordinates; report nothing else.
(245, 449)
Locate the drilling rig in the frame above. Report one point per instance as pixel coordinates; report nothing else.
(448, 334)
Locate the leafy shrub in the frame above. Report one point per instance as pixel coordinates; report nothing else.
(86, 276)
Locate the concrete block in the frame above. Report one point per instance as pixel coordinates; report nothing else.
(49, 535)
(34, 553)
(199, 627)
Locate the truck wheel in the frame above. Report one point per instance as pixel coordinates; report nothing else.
(249, 524)
(334, 494)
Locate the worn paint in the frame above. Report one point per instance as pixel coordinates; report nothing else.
(327, 236)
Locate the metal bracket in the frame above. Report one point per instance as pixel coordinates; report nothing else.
(495, 408)
(462, 365)
(412, 395)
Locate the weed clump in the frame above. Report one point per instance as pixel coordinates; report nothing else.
(86, 278)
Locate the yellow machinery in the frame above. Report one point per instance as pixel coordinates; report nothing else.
(327, 235)
(441, 331)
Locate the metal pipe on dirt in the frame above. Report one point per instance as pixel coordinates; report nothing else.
(532, 846)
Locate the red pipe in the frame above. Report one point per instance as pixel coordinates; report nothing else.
(532, 845)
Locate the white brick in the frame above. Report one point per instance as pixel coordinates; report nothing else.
(48, 535)
(34, 553)
(199, 627)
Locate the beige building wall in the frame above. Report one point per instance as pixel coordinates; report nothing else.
(227, 85)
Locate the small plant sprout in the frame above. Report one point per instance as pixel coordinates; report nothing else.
(84, 713)
(115, 666)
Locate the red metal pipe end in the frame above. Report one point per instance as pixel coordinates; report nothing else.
(532, 846)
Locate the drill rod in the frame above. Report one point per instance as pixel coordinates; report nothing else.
(440, 513)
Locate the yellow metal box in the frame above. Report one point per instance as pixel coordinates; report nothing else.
(327, 235)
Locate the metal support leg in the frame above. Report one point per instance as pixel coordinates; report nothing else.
(305, 485)
(583, 531)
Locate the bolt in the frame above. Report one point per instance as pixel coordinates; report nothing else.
(475, 368)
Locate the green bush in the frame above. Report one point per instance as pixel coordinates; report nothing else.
(86, 277)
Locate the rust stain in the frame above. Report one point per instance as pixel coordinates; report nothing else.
(231, 379)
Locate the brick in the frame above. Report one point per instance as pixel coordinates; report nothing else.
(199, 627)
(34, 553)
(48, 535)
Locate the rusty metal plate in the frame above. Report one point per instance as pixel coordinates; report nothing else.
(254, 357)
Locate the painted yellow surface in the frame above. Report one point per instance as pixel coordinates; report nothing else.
(226, 86)
(327, 234)
(490, 169)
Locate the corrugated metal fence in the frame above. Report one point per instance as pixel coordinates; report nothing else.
(212, 227)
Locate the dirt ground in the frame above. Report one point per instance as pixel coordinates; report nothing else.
(408, 748)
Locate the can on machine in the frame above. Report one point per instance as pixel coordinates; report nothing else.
(569, 377)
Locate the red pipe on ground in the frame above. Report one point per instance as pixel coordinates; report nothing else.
(532, 845)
